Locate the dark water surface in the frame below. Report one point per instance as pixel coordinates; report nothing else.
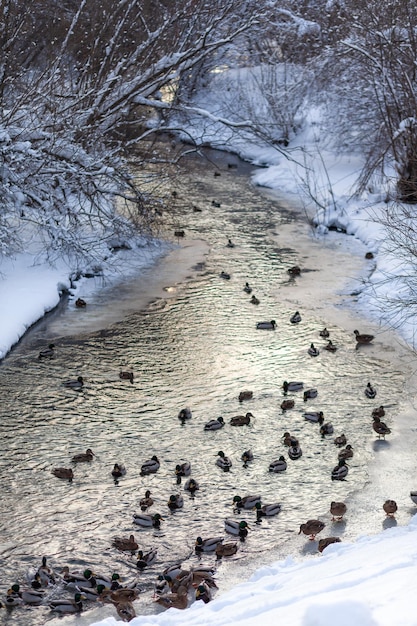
(198, 347)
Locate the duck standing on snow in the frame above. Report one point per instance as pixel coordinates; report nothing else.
(380, 428)
(390, 507)
(312, 528)
(323, 543)
(337, 509)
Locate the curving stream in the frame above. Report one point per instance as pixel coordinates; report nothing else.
(190, 338)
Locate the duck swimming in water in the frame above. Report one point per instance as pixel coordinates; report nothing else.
(63, 472)
(267, 510)
(340, 471)
(223, 461)
(370, 392)
(292, 386)
(246, 457)
(241, 420)
(266, 325)
(247, 502)
(324, 333)
(280, 465)
(146, 502)
(125, 544)
(207, 545)
(185, 414)
(84, 457)
(76, 384)
(48, 353)
(148, 521)
(363, 338)
(309, 394)
(245, 395)
(126, 376)
(330, 347)
(214, 424)
(191, 485)
(151, 466)
(313, 351)
(237, 528)
(68, 606)
(296, 318)
(286, 405)
(247, 288)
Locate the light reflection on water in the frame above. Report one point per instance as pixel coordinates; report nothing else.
(197, 348)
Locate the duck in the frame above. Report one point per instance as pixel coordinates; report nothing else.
(80, 303)
(191, 485)
(185, 414)
(151, 466)
(175, 502)
(31, 596)
(378, 412)
(247, 288)
(146, 559)
(237, 528)
(247, 456)
(313, 416)
(223, 461)
(146, 502)
(92, 594)
(225, 275)
(173, 571)
(47, 353)
(214, 424)
(296, 318)
(245, 395)
(124, 594)
(125, 544)
(280, 465)
(292, 386)
(330, 347)
(74, 580)
(68, 606)
(83, 457)
(226, 549)
(340, 471)
(45, 573)
(207, 545)
(370, 392)
(203, 593)
(267, 510)
(340, 440)
(295, 270)
(363, 338)
(126, 376)
(63, 472)
(313, 351)
(323, 543)
(162, 585)
(312, 528)
(13, 597)
(337, 509)
(118, 470)
(147, 521)
(254, 300)
(125, 610)
(182, 469)
(295, 452)
(289, 440)
(346, 453)
(230, 243)
(266, 325)
(390, 507)
(76, 384)
(286, 405)
(241, 420)
(107, 582)
(325, 428)
(177, 600)
(324, 333)
(413, 496)
(310, 394)
(380, 428)
(247, 502)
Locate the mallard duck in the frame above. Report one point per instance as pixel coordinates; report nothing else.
(151, 466)
(289, 440)
(378, 412)
(239, 529)
(191, 485)
(125, 544)
(296, 318)
(267, 510)
(185, 414)
(247, 288)
(295, 452)
(245, 395)
(295, 270)
(247, 456)
(182, 469)
(92, 593)
(126, 376)
(340, 440)
(47, 353)
(203, 593)
(313, 351)
(280, 465)
(337, 509)
(346, 453)
(309, 394)
(162, 585)
(83, 457)
(330, 347)
(292, 386)
(380, 428)
(76, 384)
(363, 338)
(370, 392)
(324, 333)
(68, 606)
(80, 303)
(312, 528)
(125, 610)
(226, 549)
(266, 325)
(173, 571)
(225, 275)
(207, 545)
(108, 582)
(63, 472)
(118, 470)
(214, 424)
(175, 502)
(223, 461)
(323, 543)
(413, 496)
(254, 300)
(241, 420)
(148, 521)
(32, 596)
(325, 428)
(13, 597)
(247, 502)
(146, 502)
(340, 471)
(124, 594)
(230, 244)
(145, 560)
(178, 600)
(45, 573)
(74, 580)
(390, 507)
(286, 405)
(313, 416)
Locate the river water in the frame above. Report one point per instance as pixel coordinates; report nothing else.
(190, 338)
